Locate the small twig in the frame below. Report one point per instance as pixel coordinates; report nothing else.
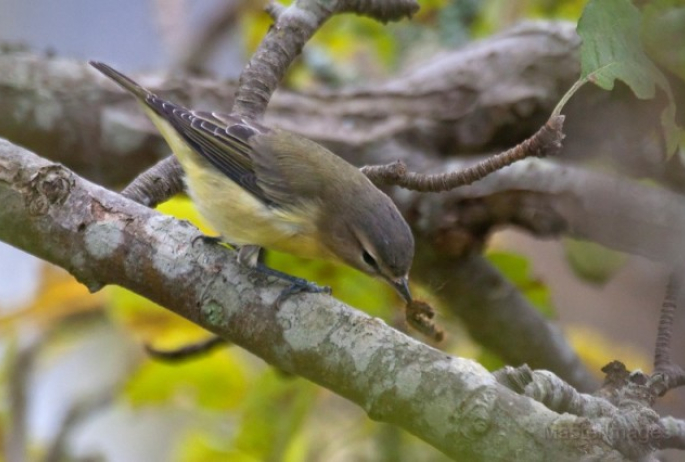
(667, 375)
(274, 9)
(191, 351)
(662, 352)
(294, 26)
(20, 371)
(550, 390)
(545, 142)
(157, 184)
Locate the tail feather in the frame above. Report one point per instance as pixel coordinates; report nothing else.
(123, 81)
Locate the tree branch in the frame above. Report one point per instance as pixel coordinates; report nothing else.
(545, 142)
(293, 27)
(496, 315)
(124, 136)
(544, 197)
(103, 238)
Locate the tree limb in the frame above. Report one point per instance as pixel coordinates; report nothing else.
(103, 238)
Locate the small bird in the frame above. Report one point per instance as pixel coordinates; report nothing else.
(262, 187)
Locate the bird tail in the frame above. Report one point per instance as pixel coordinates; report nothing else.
(121, 79)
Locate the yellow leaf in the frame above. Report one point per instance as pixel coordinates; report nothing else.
(597, 350)
(59, 296)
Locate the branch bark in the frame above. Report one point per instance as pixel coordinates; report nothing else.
(103, 238)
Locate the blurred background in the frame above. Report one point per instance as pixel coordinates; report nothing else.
(76, 382)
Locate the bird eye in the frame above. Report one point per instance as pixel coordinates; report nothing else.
(369, 260)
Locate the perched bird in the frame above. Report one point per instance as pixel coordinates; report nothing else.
(263, 187)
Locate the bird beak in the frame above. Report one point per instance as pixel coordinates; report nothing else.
(401, 285)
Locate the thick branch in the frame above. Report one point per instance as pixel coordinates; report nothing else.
(497, 315)
(486, 96)
(102, 238)
(618, 213)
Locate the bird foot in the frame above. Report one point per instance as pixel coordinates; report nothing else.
(300, 286)
(297, 285)
(209, 240)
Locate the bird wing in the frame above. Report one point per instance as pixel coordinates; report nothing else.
(289, 168)
(269, 163)
(222, 140)
(228, 143)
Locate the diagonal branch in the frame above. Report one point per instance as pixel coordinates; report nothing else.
(293, 27)
(103, 238)
(497, 316)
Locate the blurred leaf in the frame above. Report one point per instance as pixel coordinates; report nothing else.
(490, 360)
(198, 446)
(499, 14)
(596, 350)
(593, 262)
(151, 323)
(517, 269)
(273, 416)
(612, 50)
(556, 9)
(59, 295)
(216, 381)
(663, 33)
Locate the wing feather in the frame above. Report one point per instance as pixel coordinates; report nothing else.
(226, 147)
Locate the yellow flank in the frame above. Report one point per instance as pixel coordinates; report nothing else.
(218, 198)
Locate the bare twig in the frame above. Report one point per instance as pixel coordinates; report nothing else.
(662, 352)
(667, 375)
(157, 184)
(294, 26)
(274, 9)
(621, 417)
(553, 392)
(77, 414)
(546, 141)
(191, 351)
(21, 369)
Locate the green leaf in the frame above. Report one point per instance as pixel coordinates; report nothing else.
(612, 49)
(663, 33)
(490, 360)
(593, 262)
(517, 269)
(217, 381)
(274, 413)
